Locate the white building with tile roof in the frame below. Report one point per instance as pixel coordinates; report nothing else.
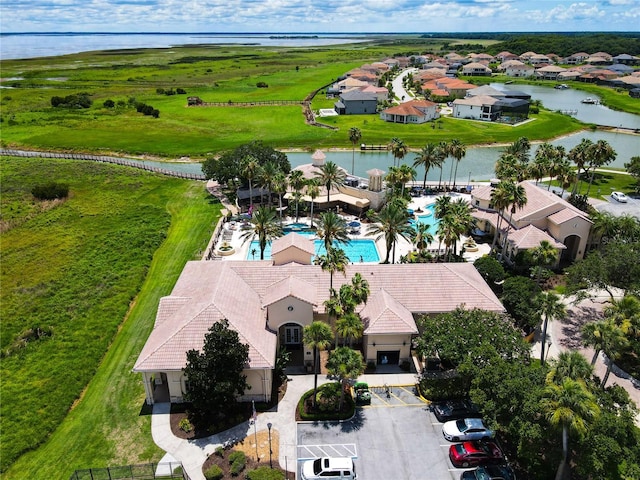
(269, 303)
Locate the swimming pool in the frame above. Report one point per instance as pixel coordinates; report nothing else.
(427, 217)
(357, 250)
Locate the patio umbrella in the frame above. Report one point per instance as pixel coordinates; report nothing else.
(354, 224)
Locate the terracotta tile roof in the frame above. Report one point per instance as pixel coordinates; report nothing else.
(530, 237)
(412, 107)
(207, 292)
(564, 215)
(478, 100)
(293, 240)
(482, 193)
(384, 315)
(542, 202)
(290, 287)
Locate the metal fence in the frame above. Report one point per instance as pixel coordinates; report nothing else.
(150, 471)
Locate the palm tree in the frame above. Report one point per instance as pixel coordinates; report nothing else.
(569, 365)
(625, 313)
(405, 174)
(604, 226)
(280, 188)
(430, 156)
(457, 150)
(520, 149)
(614, 343)
(360, 289)
(517, 200)
(265, 227)
(391, 222)
(398, 149)
(349, 327)
(544, 256)
(598, 155)
(345, 365)
(313, 190)
(331, 175)
(354, 137)
(592, 336)
(334, 261)
(332, 228)
(297, 182)
(569, 406)
(267, 177)
(422, 237)
(557, 163)
(541, 165)
(317, 335)
(549, 307)
(251, 170)
(579, 155)
(509, 168)
(500, 199)
(443, 148)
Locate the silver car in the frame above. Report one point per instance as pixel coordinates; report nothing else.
(466, 429)
(619, 196)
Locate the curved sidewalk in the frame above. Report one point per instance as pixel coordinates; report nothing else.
(193, 453)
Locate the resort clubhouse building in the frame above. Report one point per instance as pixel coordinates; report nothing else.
(269, 302)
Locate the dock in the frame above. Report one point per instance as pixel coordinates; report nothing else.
(365, 147)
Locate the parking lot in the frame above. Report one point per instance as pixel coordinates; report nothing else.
(396, 437)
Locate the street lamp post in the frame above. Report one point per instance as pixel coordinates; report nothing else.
(269, 425)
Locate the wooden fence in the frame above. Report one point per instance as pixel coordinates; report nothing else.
(103, 159)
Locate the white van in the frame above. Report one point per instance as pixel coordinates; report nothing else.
(329, 468)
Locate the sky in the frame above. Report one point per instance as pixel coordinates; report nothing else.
(316, 16)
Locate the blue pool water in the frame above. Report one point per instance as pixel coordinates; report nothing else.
(357, 250)
(428, 218)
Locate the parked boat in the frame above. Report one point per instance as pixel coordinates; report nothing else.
(590, 101)
(562, 86)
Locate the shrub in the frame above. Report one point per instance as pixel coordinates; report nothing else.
(181, 91)
(219, 451)
(185, 425)
(262, 85)
(109, 103)
(265, 473)
(160, 91)
(79, 100)
(50, 191)
(214, 472)
(238, 461)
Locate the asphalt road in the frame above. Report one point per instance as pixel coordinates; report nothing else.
(394, 438)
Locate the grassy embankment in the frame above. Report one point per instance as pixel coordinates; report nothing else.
(78, 267)
(216, 74)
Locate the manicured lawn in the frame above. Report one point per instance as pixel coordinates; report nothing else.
(78, 268)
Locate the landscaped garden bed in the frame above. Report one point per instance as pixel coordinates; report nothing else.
(327, 404)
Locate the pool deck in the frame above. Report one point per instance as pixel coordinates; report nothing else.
(232, 234)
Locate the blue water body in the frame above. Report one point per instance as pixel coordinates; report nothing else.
(357, 250)
(33, 45)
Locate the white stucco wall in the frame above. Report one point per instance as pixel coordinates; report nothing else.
(386, 343)
(278, 313)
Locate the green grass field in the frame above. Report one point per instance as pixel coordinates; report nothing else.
(215, 74)
(77, 268)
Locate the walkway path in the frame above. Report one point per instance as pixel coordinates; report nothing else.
(565, 335)
(193, 453)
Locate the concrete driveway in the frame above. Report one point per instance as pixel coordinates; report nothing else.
(395, 437)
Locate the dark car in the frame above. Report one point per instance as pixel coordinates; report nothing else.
(472, 454)
(454, 409)
(489, 472)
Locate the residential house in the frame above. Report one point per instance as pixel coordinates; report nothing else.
(538, 58)
(546, 216)
(576, 58)
(506, 56)
(526, 56)
(480, 107)
(598, 60)
(356, 102)
(414, 111)
(476, 69)
(550, 72)
(516, 68)
(626, 59)
(270, 302)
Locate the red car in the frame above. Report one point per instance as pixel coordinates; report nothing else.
(471, 454)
